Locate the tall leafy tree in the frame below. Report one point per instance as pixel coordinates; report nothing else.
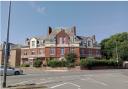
(116, 44)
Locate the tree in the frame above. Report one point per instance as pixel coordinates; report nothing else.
(71, 59)
(108, 46)
(123, 51)
(37, 63)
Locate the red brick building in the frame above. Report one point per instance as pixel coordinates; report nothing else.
(58, 43)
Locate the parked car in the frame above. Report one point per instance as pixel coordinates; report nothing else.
(11, 70)
(125, 64)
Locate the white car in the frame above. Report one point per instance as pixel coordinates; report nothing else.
(11, 71)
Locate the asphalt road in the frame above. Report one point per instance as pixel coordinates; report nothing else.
(88, 79)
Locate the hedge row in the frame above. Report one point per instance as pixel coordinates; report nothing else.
(93, 62)
(57, 63)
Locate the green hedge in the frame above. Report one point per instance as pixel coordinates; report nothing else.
(25, 65)
(88, 63)
(37, 63)
(57, 63)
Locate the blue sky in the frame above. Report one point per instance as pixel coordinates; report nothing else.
(33, 18)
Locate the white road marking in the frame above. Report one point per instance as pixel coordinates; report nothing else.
(44, 82)
(74, 84)
(96, 81)
(66, 83)
(85, 79)
(58, 85)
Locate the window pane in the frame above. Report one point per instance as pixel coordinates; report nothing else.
(52, 51)
(64, 40)
(60, 40)
(62, 51)
(89, 43)
(33, 43)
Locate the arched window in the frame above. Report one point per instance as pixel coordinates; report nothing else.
(60, 41)
(64, 40)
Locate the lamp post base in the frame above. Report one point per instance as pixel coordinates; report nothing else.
(4, 85)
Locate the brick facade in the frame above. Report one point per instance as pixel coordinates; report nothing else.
(58, 43)
(14, 57)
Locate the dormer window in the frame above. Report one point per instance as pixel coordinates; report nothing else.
(33, 43)
(37, 42)
(89, 43)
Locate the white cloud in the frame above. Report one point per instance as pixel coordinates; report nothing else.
(39, 9)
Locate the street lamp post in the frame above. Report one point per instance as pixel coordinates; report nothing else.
(117, 57)
(6, 50)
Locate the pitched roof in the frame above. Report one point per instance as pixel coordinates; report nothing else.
(58, 29)
(38, 37)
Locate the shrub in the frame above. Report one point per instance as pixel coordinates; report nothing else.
(71, 59)
(89, 63)
(37, 63)
(63, 63)
(56, 63)
(25, 65)
(70, 65)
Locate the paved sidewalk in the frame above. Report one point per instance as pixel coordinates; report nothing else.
(49, 69)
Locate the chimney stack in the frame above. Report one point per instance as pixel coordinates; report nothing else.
(94, 37)
(74, 30)
(49, 30)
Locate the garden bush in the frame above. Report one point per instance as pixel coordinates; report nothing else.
(89, 63)
(25, 65)
(56, 63)
(71, 59)
(70, 65)
(37, 63)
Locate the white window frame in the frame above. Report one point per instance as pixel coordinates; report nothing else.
(62, 51)
(52, 51)
(89, 43)
(33, 43)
